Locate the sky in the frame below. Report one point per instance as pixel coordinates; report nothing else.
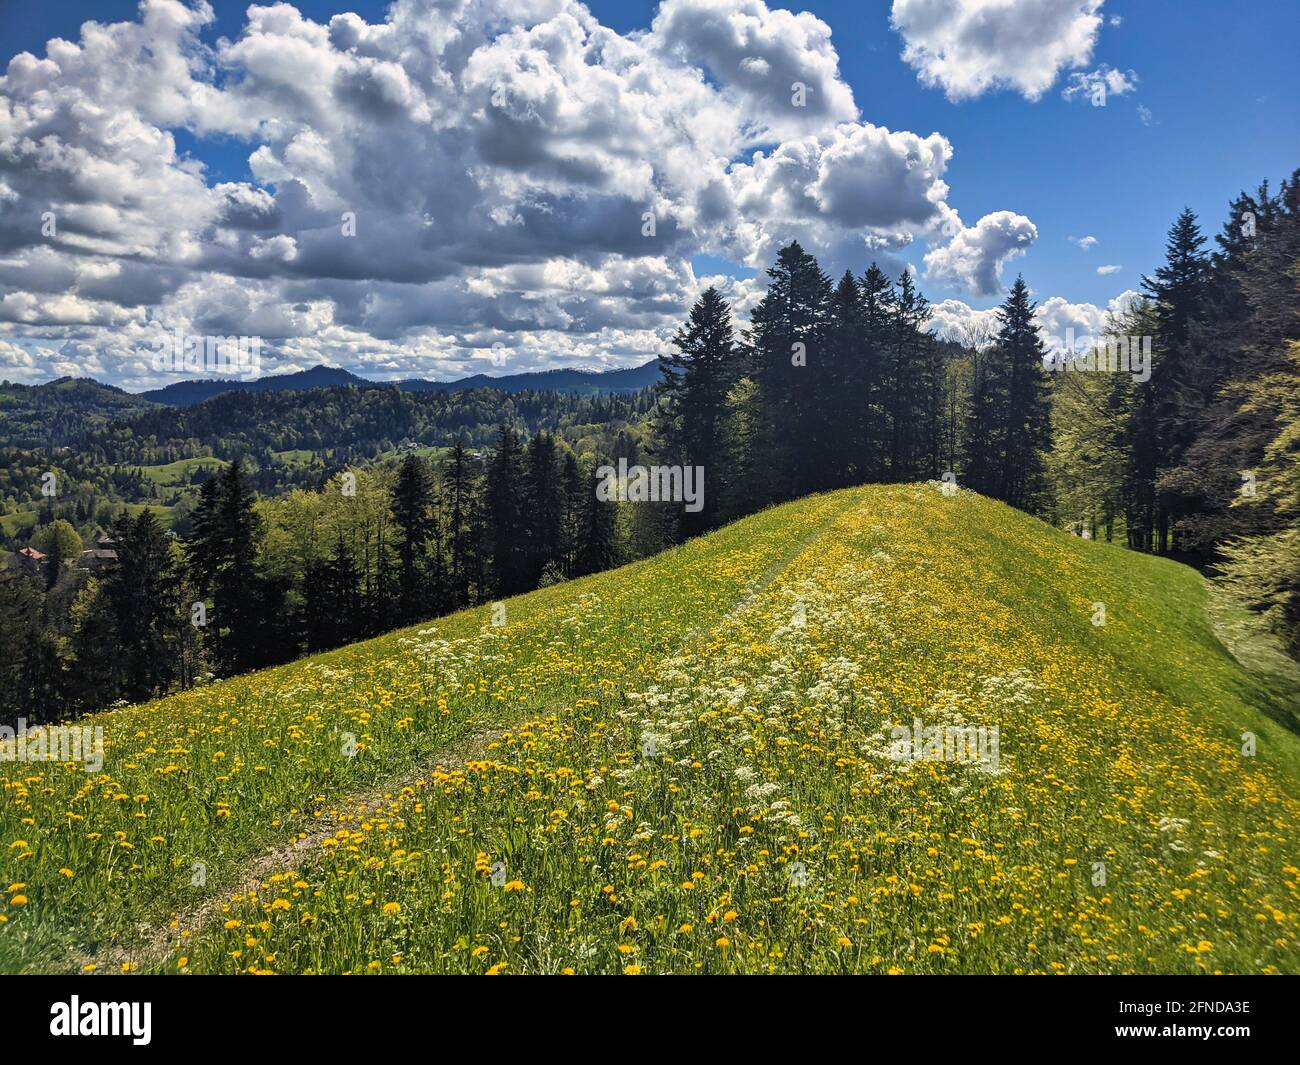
(442, 187)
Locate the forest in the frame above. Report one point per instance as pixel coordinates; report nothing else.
(830, 383)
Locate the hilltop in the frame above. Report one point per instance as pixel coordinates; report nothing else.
(685, 765)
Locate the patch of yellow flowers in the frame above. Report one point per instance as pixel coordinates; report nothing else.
(732, 803)
(692, 772)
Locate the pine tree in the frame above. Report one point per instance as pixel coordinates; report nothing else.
(598, 547)
(1251, 311)
(912, 417)
(459, 487)
(333, 600)
(875, 417)
(413, 497)
(573, 492)
(696, 377)
(1010, 431)
(142, 592)
(544, 503)
(1179, 382)
(507, 527)
(847, 390)
(222, 557)
(787, 337)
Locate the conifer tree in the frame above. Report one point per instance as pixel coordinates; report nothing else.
(790, 367)
(413, 497)
(696, 377)
(507, 526)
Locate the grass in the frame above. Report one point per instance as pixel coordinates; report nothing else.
(162, 513)
(433, 454)
(179, 472)
(684, 766)
(297, 457)
(21, 519)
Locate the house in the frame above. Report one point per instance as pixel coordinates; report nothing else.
(28, 560)
(104, 553)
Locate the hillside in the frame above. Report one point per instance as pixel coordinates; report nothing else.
(684, 765)
(53, 413)
(582, 382)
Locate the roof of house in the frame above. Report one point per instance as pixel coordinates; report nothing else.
(31, 552)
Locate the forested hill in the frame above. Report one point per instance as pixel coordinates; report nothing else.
(583, 382)
(362, 422)
(60, 411)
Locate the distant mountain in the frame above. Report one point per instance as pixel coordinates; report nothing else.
(581, 382)
(584, 382)
(188, 393)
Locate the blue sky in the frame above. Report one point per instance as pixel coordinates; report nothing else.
(1212, 111)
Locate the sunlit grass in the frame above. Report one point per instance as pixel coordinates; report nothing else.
(689, 771)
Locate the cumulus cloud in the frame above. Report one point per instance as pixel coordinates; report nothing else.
(960, 322)
(1110, 268)
(969, 47)
(1076, 326)
(1063, 325)
(454, 176)
(1086, 243)
(780, 66)
(973, 258)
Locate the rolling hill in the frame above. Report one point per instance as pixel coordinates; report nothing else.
(584, 382)
(693, 764)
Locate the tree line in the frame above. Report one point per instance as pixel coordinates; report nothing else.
(838, 383)
(830, 384)
(259, 581)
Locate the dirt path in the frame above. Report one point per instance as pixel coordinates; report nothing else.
(161, 941)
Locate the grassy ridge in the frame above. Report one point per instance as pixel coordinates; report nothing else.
(216, 775)
(690, 771)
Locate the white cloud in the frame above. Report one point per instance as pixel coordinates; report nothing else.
(758, 56)
(1110, 268)
(1086, 243)
(1095, 86)
(958, 321)
(1062, 324)
(498, 157)
(974, 257)
(969, 47)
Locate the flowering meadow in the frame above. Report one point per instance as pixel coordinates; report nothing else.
(691, 764)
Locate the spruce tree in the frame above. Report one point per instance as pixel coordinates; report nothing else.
(875, 412)
(1010, 431)
(696, 377)
(544, 503)
(1179, 380)
(506, 520)
(788, 340)
(142, 591)
(413, 496)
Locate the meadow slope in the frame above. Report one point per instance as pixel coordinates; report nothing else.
(684, 766)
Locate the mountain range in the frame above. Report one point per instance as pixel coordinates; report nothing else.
(584, 382)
